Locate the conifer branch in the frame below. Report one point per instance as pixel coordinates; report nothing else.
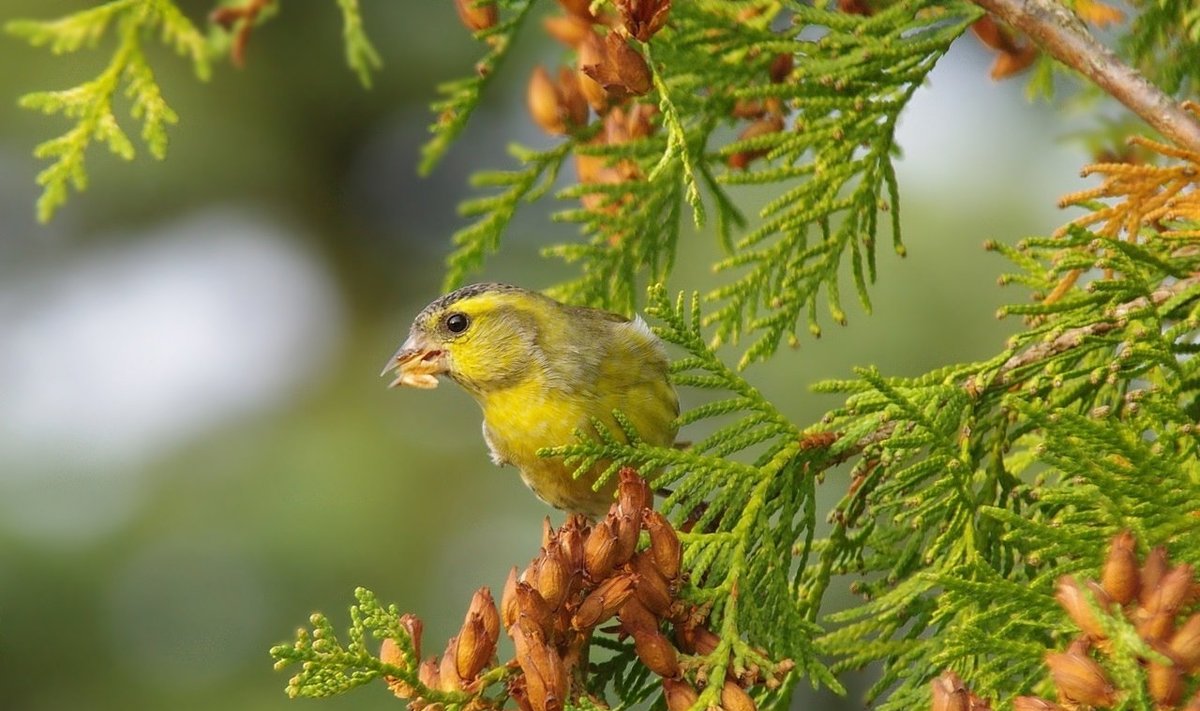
(361, 55)
(1005, 374)
(1074, 337)
(1065, 38)
(459, 98)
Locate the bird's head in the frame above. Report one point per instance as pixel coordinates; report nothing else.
(484, 336)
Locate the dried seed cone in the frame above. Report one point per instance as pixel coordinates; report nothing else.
(949, 693)
(633, 494)
(656, 652)
(517, 692)
(748, 109)
(1165, 683)
(595, 94)
(618, 68)
(429, 673)
(735, 698)
(390, 653)
(643, 18)
(1009, 63)
(600, 550)
(1172, 590)
(628, 527)
(1071, 597)
(533, 612)
(1081, 679)
(1152, 572)
(543, 101)
(629, 64)
(508, 600)
(634, 617)
(476, 15)
(640, 124)
(664, 545)
(680, 695)
(553, 578)
(473, 650)
(484, 607)
(603, 602)
(1184, 646)
(412, 624)
(1155, 626)
(448, 667)
(570, 538)
(545, 673)
(652, 589)
(574, 102)
(1120, 577)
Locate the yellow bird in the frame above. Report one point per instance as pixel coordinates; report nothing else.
(541, 370)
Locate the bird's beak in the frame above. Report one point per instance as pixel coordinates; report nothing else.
(417, 364)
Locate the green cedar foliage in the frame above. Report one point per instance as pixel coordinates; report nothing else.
(832, 173)
(90, 105)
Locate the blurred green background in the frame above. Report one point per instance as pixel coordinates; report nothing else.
(195, 448)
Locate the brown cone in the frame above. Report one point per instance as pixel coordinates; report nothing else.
(949, 693)
(1184, 646)
(1080, 679)
(735, 698)
(656, 652)
(664, 545)
(1071, 597)
(476, 15)
(1120, 577)
(1165, 684)
(681, 696)
(1152, 572)
(603, 602)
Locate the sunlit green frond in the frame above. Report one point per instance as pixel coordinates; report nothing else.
(816, 96)
(461, 96)
(991, 481)
(90, 104)
(1163, 37)
(361, 55)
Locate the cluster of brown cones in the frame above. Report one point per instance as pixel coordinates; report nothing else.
(468, 654)
(609, 75)
(608, 68)
(1158, 599)
(584, 575)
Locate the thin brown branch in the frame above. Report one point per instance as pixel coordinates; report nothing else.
(1074, 337)
(1064, 37)
(239, 19)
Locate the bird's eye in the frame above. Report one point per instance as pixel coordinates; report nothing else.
(457, 323)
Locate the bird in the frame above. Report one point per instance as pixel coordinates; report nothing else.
(541, 371)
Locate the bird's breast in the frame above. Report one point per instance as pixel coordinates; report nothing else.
(523, 419)
(520, 420)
